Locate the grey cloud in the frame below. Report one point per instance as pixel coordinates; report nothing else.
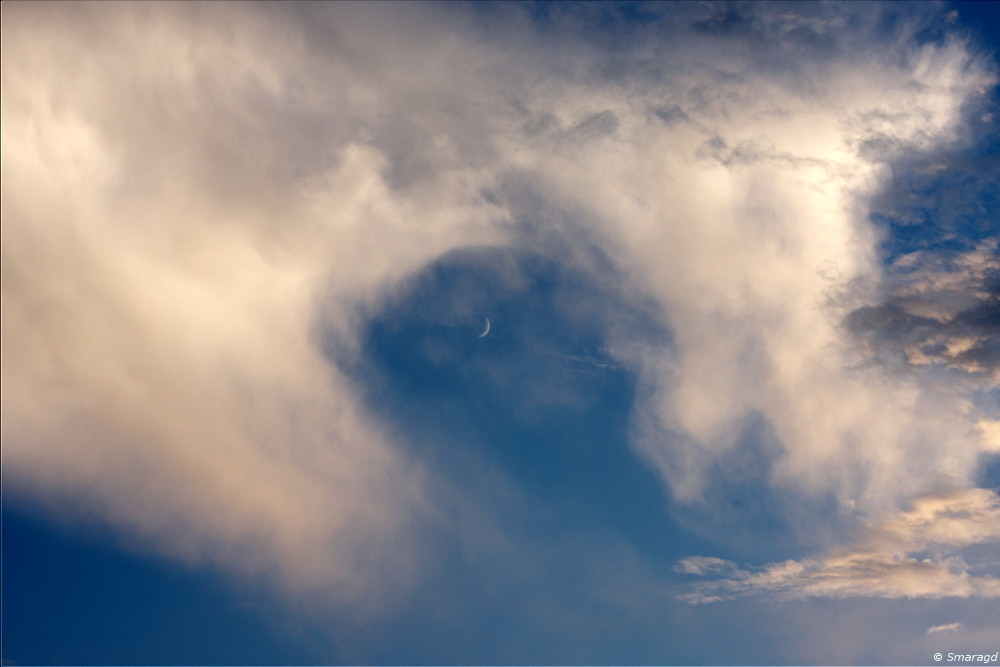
(942, 309)
(751, 151)
(594, 126)
(705, 565)
(671, 114)
(540, 125)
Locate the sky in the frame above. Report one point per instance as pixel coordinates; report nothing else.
(500, 333)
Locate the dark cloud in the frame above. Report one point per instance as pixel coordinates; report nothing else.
(671, 114)
(944, 309)
(594, 126)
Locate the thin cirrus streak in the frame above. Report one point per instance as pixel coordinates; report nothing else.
(184, 206)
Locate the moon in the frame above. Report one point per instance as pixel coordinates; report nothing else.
(486, 330)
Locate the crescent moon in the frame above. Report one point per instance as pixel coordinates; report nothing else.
(486, 330)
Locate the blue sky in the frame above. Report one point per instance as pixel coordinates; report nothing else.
(738, 401)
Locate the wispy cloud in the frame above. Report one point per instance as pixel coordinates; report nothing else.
(915, 555)
(949, 627)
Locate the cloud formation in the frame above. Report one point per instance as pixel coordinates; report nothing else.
(943, 308)
(198, 198)
(179, 216)
(948, 627)
(915, 555)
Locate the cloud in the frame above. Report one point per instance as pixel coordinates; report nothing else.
(914, 555)
(943, 308)
(171, 243)
(949, 627)
(752, 240)
(205, 204)
(704, 565)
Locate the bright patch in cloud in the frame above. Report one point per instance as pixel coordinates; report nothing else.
(949, 627)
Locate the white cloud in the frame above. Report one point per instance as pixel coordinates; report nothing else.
(915, 555)
(948, 627)
(165, 268)
(188, 208)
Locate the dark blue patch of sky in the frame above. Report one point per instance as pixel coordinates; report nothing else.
(75, 596)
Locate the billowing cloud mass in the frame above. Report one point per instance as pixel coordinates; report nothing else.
(915, 555)
(204, 203)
